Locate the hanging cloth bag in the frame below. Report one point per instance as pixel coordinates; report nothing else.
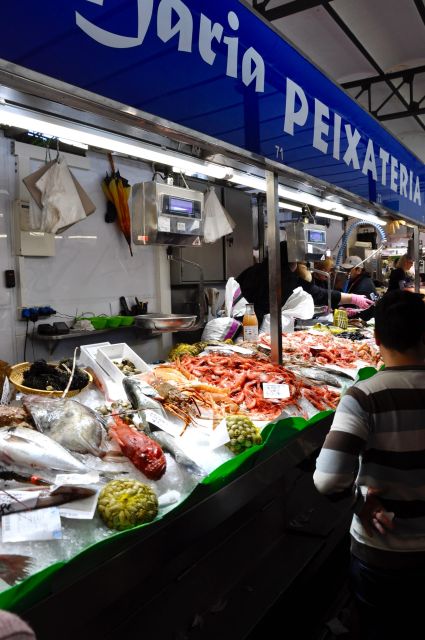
(61, 204)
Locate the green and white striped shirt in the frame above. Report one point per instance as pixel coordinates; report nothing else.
(378, 433)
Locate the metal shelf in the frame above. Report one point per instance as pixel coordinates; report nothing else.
(54, 340)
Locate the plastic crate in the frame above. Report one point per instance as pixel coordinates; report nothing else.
(107, 354)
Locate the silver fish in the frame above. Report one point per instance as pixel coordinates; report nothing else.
(22, 449)
(69, 423)
(168, 443)
(134, 390)
(318, 375)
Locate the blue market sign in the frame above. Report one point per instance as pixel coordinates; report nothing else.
(216, 68)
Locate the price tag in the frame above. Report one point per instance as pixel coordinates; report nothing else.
(41, 524)
(220, 435)
(279, 391)
(164, 223)
(83, 509)
(161, 422)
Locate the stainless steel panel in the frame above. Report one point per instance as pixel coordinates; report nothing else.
(239, 244)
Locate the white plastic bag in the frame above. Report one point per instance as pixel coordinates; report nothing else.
(234, 302)
(300, 305)
(220, 329)
(61, 202)
(217, 222)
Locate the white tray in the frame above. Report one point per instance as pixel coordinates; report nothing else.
(106, 354)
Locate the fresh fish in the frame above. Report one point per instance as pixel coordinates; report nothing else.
(14, 567)
(318, 375)
(23, 450)
(168, 443)
(135, 390)
(69, 423)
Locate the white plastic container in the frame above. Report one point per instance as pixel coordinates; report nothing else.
(105, 356)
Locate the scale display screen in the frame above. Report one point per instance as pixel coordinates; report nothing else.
(316, 236)
(181, 207)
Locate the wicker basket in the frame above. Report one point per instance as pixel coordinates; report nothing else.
(16, 377)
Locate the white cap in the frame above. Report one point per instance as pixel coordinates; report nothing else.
(352, 262)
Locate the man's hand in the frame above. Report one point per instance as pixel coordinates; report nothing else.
(373, 515)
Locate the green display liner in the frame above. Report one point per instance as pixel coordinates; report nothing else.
(41, 584)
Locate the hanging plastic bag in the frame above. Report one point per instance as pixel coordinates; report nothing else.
(217, 222)
(234, 302)
(59, 196)
(300, 305)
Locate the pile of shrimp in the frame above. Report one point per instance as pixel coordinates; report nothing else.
(243, 378)
(324, 349)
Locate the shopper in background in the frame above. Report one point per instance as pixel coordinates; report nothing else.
(375, 449)
(254, 284)
(399, 277)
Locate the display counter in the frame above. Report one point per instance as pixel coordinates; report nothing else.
(244, 537)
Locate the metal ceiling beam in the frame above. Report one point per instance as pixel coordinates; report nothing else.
(285, 10)
(406, 76)
(343, 26)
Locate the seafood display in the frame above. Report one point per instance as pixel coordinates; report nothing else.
(24, 450)
(49, 377)
(68, 422)
(111, 464)
(144, 453)
(126, 366)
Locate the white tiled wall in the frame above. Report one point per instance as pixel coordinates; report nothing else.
(86, 274)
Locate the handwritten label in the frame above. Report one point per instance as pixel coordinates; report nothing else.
(41, 524)
(161, 422)
(278, 391)
(15, 500)
(220, 435)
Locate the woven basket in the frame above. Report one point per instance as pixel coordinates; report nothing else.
(16, 377)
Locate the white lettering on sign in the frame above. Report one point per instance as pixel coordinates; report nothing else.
(378, 163)
(174, 20)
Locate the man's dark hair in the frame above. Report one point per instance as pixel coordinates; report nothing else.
(400, 320)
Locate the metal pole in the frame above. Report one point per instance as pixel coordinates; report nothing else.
(416, 258)
(275, 280)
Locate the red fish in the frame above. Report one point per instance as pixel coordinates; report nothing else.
(144, 453)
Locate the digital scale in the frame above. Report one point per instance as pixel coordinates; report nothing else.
(166, 214)
(305, 241)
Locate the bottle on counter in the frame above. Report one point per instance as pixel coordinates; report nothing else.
(250, 324)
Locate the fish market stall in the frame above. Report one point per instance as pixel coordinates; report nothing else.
(142, 449)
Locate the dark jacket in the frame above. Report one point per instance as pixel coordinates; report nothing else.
(362, 285)
(398, 277)
(254, 284)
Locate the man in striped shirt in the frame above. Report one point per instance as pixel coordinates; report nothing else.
(376, 448)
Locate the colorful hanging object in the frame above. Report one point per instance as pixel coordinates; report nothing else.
(117, 191)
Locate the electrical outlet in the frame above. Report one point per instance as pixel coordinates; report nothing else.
(34, 313)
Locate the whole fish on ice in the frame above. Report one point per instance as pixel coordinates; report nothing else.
(317, 375)
(69, 423)
(22, 449)
(134, 391)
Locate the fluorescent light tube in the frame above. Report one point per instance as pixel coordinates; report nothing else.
(331, 216)
(290, 207)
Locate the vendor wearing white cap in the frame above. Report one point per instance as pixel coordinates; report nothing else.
(359, 283)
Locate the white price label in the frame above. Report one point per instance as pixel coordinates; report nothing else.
(220, 435)
(181, 226)
(41, 524)
(161, 422)
(164, 223)
(272, 390)
(77, 478)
